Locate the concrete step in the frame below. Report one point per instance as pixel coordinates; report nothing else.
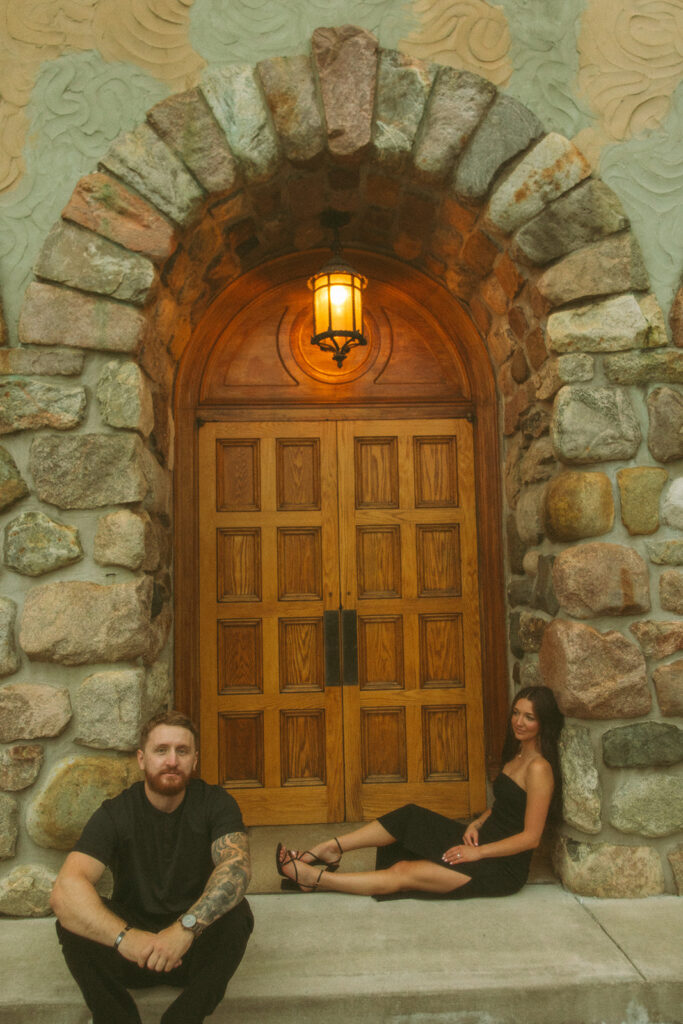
(540, 957)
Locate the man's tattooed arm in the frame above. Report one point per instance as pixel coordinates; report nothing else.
(228, 881)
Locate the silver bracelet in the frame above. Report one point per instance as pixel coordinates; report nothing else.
(119, 937)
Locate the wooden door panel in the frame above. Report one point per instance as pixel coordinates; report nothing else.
(413, 722)
(269, 570)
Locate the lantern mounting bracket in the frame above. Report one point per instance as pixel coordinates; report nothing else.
(337, 304)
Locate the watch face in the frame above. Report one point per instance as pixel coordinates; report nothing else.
(188, 920)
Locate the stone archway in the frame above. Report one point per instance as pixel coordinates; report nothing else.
(458, 180)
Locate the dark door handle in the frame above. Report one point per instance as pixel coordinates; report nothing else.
(349, 648)
(331, 647)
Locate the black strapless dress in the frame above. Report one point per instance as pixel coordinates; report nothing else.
(425, 835)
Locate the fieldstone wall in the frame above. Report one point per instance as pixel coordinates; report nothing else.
(439, 169)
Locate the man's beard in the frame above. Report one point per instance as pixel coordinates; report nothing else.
(166, 784)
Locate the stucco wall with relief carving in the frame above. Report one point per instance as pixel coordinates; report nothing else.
(589, 385)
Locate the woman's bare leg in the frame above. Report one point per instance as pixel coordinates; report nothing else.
(414, 875)
(372, 834)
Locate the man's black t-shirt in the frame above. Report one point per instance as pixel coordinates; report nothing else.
(160, 862)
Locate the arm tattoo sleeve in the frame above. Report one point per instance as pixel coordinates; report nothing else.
(229, 879)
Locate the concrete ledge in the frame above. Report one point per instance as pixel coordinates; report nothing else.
(541, 957)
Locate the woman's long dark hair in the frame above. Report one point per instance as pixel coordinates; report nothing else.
(551, 721)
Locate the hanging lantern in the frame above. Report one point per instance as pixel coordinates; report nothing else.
(337, 306)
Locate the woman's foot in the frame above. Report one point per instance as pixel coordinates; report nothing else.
(327, 855)
(303, 875)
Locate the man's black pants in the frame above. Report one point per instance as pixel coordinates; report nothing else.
(104, 975)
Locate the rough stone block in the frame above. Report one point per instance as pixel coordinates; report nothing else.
(235, 99)
(672, 508)
(608, 871)
(81, 259)
(651, 805)
(291, 95)
(574, 368)
(9, 826)
(665, 434)
(346, 63)
(668, 680)
(110, 708)
(13, 487)
(659, 639)
(665, 552)
(456, 104)
(538, 462)
(60, 316)
(601, 579)
(25, 892)
(581, 789)
(89, 470)
(584, 215)
(403, 85)
(675, 858)
(676, 318)
(74, 623)
(126, 538)
(140, 159)
(640, 488)
(125, 398)
(593, 675)
(671, 591)
(20, 765)
(49, 363)
(643, 745)
(530, 514)
(506, 130)
(610, 325)
(187, 126)
(103, 205)
(73, 790)
(608, 267)
(32, 404)
(551, 168)
(543, 595)
(29, 711)
(593, 424)
(35, 544)
(665, 367)
(9, 658)
(579, 505)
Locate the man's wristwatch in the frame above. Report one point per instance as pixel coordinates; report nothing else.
(190, 922)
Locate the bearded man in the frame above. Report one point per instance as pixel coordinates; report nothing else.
(179, 855)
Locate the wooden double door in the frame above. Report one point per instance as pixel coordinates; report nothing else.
(339, 617)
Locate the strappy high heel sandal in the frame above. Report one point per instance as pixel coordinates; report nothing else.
(293, 884)
(318, 862)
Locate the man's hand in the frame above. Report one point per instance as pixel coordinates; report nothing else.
(161, 951)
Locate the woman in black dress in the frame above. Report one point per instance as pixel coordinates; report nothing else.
(420, 852)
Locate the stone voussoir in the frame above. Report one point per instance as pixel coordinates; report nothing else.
(185, 123)
(601, 579)
(79, 258)
(291, 94)
(78, 622)
(455, 107)
(552, 167)
(144, 162)
(346, 61)
(403, 85)
(61, 316)
(234, 96)
(594, 675)
(29, 404)
(506, 130)
(125, 398)
(608, 267)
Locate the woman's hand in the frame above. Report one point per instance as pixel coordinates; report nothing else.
(471, 837)
(461, 855)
